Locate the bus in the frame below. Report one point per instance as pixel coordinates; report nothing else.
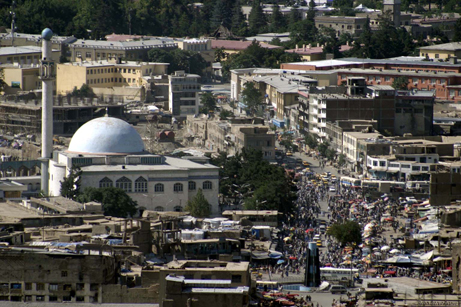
(371, 185)
(265, 285)
(349, 181)
(337, 274)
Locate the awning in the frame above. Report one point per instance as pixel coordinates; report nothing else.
(442, 259)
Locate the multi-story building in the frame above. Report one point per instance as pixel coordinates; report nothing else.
(351, 147)
(233, 135)
(21, 78)
(112, 77)
(24, 55)
(441, 52)
(183, 94)
(98, 50)
(334, 130)
(342, 24)
(30, 275)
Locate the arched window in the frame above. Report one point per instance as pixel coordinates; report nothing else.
(140, 185)
(159, 208)
(192, 186)
(159, 188)
(207, 185)
(124, 184)
(178, 209)
(177, 187)
(106, 183)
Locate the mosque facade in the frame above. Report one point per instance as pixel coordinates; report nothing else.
(111, 153)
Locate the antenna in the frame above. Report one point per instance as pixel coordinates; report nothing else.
(107, 112)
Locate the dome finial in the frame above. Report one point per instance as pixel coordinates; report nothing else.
(47, 34)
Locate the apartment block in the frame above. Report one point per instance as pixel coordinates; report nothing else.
(183, 94)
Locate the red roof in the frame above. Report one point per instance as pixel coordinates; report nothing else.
(238, 45)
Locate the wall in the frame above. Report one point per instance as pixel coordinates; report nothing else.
(123, 295)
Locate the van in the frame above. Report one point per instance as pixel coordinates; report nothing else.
(323, 228)
(337, 289)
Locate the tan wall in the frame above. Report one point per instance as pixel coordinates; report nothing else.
(122, 295)
(436, 54)
(68, 77)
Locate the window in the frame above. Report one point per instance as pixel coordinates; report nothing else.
(53, 299)
(159, 188)
(140, 185)
(442, 81)
(433, 81)
(80, 286)
(88, 55)
(159, 209)
(387, 79)
(106, 183)
(53, 287)
(67, 287)
(94, 287)
(425, 168)
(452, 93)
(40, 287)
(207, 185)
(80, 299)
(178, 209)
(177, 187)
(236, 278)
(63, 273)
(66, 299)
(40, 298)
(78, 54)
(28, 298)
(28, 286)
(124, 184)
(436, 55)
(207, 277)
(382, 163)
(192, 186)
(415, 168)
(375, 163)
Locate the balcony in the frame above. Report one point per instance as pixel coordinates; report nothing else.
(322, 115)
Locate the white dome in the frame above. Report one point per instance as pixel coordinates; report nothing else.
(106, 135)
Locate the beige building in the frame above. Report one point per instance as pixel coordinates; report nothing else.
(24, 55)
(19, 78)
(189, 279)
(113, 74)
(342, 24)
(97, 50)
(232, 135)
(183, 94)
(441, 52)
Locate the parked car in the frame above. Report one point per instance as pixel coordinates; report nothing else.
(337, 289)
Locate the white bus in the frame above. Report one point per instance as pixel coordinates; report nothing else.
(348, 181)
(337, 274)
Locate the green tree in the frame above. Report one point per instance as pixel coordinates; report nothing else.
(208, 102)
(251, 97)
(225, 114)
(311, 141)
(115, 201)
(222, 14)
(323, 148)
(341, 160)
(457, 31)
(85, 91)
(287, 141)
(277, 20)
(400, 83)
(346, 233)
(198, 206)
(70, 185)
(239, 25)
(190, 62)
(257, 20)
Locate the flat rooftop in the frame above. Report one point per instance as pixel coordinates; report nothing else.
(10, 212)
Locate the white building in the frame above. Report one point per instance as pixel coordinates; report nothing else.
(111, 153)
(183, 94)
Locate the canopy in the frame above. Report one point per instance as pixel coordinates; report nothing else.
(385, 248)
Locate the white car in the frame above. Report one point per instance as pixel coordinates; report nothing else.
(332, 189)
(316, 237)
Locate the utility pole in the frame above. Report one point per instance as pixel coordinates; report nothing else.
(13, 21)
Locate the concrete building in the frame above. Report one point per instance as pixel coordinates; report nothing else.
(98, 50)
(312, 53)
(197, 274)
(30, 275)
(233, 135)
(441, 52)
(342, 24)
(350, 148)
(24, 55)
(111, 153)
(334, 130)
(131, 80)
(20, 78)
(183, 97)
(231, 47)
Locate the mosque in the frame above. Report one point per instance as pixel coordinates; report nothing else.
(110, 153)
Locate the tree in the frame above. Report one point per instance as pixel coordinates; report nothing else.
(222, 14)
(251, 97)
(239, 25)
(225, 114)
(257, 20)
(457, 31)
(311, 141)
(277, 20)
(85, 91)
(199, 205)
(341, 160)
(115, 201)
(191, 62)
(70, 185)
(208, 102)
(287, 141)
(400, 83)
(323, 148)
(346, 233)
